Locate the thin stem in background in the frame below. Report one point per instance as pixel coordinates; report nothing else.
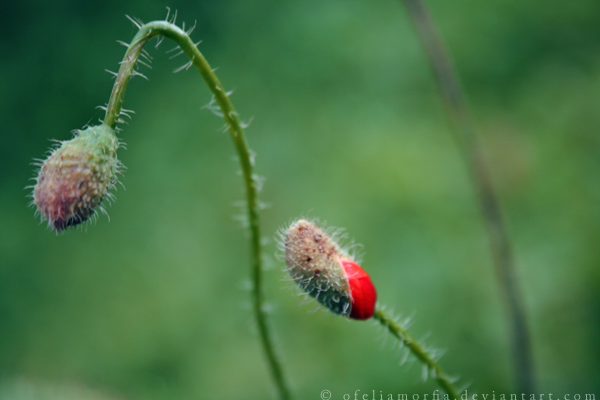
(455, 104)
(113, 112)
(433, 368)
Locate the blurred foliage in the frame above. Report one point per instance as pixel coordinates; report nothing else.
(347, 127)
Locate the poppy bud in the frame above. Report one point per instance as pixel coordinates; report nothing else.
(76, 177)
(323, 270)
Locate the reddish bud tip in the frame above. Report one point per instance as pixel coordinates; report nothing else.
(362, 291)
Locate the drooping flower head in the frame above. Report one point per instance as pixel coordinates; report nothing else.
(76, 177)
(323, 270)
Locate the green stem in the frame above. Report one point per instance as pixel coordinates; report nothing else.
(479, 171)
(433, 367)
(113, 112)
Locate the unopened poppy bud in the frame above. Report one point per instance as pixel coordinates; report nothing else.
(323, 270)
(76, 177)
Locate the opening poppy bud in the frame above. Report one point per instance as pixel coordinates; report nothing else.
(323, 270)
(76, 177)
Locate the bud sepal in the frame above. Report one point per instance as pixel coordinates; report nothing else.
(76, 177)
(323, 270)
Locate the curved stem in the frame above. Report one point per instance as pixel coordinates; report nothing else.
(113, 112)
(432, 366)
(479, 171)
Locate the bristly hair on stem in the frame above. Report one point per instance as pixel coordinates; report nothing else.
(429, 361)
(234, 125)
(62, 211)
(479, 171)
(323, 270)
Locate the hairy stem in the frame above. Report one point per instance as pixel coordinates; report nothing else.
(113, 112)
(456, 108)
(433, 367)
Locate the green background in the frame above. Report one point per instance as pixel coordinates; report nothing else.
(348, 127)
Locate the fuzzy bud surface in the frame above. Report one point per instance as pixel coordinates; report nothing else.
(76, 177)
(323, 270)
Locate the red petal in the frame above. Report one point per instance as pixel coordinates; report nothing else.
(363, 293)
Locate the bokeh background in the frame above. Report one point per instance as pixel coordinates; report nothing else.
(348, 127)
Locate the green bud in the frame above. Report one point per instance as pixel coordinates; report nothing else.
(76, 177)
